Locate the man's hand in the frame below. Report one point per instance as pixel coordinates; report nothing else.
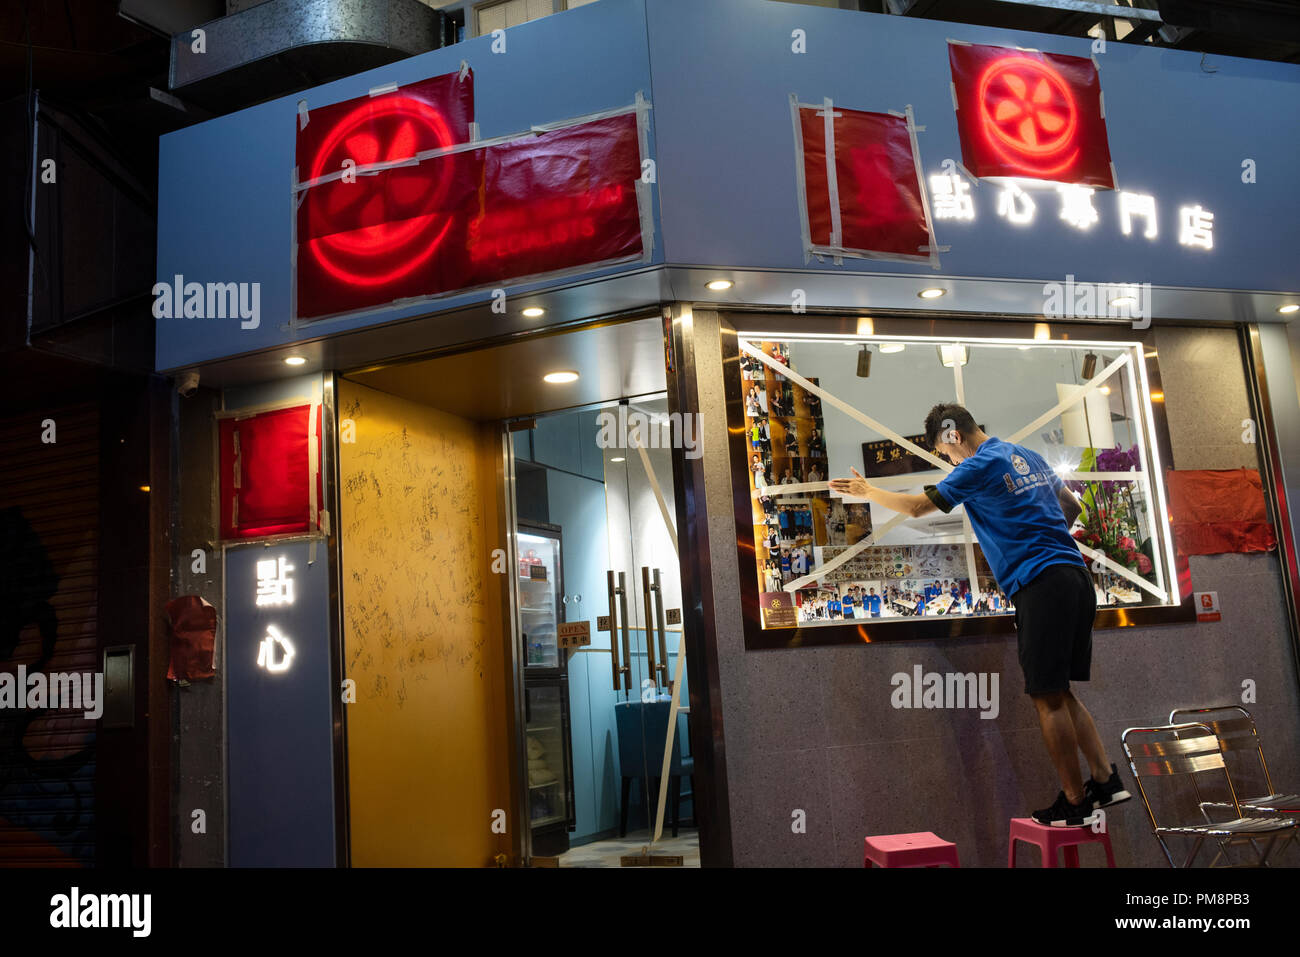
(857, 487)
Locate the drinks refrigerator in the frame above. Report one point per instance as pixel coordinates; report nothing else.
(549, 754)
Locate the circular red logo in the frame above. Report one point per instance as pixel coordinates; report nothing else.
(402, 225)
(1028, 114)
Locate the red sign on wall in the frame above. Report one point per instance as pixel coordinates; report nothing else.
(270, 473)
(420, 217)
(1032, 115)
(875, 209)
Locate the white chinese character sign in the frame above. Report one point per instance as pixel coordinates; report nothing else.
(274, 584)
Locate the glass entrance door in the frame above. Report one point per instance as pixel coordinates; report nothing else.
(594, 505)
(642, 534)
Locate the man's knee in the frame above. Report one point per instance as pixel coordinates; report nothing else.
(1050, 700)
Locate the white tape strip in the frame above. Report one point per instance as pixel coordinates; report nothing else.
(1101, 100)
(968, 540)
(1064, 404)
(1103, 476)
(673, 710)
(958, 382)
(933, 248)
(832, 182)
(383, 88)
(1123, 572)
(845, 555)
(303, 118)
(844, 407)
(464, 70)
(659, 497)
(464, 147)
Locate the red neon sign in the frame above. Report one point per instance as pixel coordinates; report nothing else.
(1032, 115)
(537, 205)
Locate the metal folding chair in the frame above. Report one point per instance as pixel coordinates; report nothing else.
(1236, 731)
(1193, 748)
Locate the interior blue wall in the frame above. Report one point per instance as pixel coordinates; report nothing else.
(723, 72)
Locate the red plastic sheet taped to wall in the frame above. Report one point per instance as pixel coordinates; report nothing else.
(538, 204)
(193, 627)
(1032, 115)
(266, 473)
(880, 204)
(1216, 511)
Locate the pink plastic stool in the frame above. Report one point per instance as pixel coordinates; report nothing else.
(1049, 839)
(922, 849)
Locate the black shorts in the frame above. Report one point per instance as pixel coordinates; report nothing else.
(1054, 614)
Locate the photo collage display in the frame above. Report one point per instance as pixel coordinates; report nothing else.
(796, 534)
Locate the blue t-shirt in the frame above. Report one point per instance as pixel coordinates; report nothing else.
(875, 605)
(1010, 494)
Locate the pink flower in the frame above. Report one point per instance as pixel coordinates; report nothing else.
(1144, 564)
(1127, 543)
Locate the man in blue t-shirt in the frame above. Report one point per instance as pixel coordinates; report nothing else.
(1021, 512)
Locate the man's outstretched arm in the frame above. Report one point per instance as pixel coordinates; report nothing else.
(913, 505)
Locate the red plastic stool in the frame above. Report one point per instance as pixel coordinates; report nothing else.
(923, 849)
(1049, 839)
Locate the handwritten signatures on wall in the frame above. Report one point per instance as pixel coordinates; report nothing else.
(415, 555)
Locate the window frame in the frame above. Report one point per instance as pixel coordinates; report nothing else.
(931, 330)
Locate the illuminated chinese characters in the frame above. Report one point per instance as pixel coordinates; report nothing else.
(274, 587)
(1137, 214)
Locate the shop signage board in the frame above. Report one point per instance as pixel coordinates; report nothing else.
(1207, 606)
(278, 705)
(574, 634)
(396, 202)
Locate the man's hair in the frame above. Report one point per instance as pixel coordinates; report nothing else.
(956, 416)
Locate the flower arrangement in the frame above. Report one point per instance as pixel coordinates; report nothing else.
(1110, 516)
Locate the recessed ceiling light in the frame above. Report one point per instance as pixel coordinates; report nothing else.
(1124, 301)
(1289, 308)
(1157, 397)
(294, 361)
(144, 488)
(866, 327)
(1104, 390)
(1042, 331)
(931, 293)
(1023, 348)
(618, 459)
(890, 347)
(560, 378)
(1151, 355)
(532, 312)
(719, 285)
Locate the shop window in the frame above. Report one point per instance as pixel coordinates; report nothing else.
(813, 407)
(270, 473)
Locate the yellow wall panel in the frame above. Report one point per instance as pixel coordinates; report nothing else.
(423, 634)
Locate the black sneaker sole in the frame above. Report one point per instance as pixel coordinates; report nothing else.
(1069, 821)
(1119, 797)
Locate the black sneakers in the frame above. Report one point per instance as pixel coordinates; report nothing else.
(1105, 794)
(1064, 814)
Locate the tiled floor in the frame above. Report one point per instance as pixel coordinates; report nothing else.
(609, 852)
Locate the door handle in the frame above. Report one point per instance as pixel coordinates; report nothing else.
(627, 641)
(648, 602)
(613, 627)
(663, 644)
